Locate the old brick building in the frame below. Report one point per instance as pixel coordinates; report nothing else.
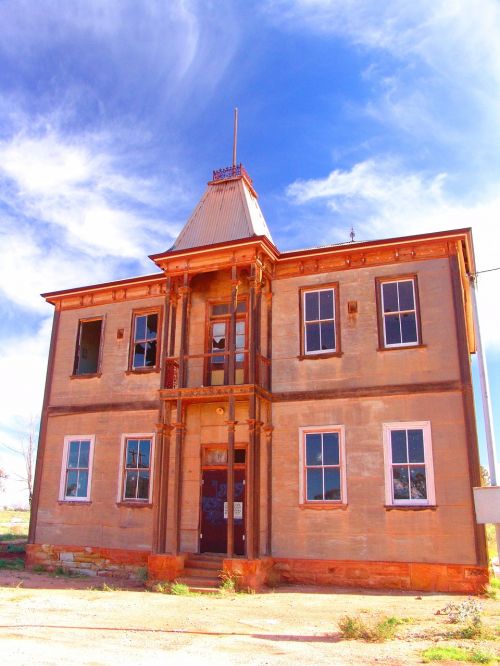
(306, 412)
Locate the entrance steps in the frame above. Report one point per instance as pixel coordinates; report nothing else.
(201, 572)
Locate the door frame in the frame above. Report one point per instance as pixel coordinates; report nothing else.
(240, 466)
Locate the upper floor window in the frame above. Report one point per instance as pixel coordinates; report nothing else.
(76, 468)
(323, 476)
(88, 347)
(137, 468)
(408, 457)
(145, 340)
(319, 320)
(399, 316)
(219, 344)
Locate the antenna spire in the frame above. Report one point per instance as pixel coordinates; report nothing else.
(235, 135)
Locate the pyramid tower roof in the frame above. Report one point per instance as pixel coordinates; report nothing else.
(227, 211)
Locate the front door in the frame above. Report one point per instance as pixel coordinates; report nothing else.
(213, 536)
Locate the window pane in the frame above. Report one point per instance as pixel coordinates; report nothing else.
(131, 485)
(392, 331)
(313, 449)
(143, 486)
(219, 329)
(74, 448)
(139, 356)
(140, 327)
(152, 326)
(415, 446)
(83, 478)
(312, 306)
(327, 335)
(326, 304)
(71, 483)
(151, 353)
(398, 445)
(390, 296)
(418, 483)
(408, 327)
(84, 454)
(132, 452)
(331, 448)
(312, 337)
(220, 309)
(314, 484)
(240, 327)
(332, 483)
(406, 300)
(241, 307)
(240, 342)
(400, 483)
(144, 450)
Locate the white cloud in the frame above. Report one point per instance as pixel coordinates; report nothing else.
(379, 198)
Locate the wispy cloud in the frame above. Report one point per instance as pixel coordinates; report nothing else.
(380, 198)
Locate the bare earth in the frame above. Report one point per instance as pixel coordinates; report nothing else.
(48, 620)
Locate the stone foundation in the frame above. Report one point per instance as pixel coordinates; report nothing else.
(253, 574)
(462, 578)
(88, 560)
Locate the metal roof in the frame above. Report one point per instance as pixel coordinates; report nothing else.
(227, 211)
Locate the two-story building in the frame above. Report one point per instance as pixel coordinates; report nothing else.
(305, 415)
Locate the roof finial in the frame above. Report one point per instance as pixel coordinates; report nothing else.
(352, 235)
(235, 136)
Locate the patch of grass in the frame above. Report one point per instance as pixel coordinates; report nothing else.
(39, 568)
(229, 582)
(180, 589)
(16, 563)
(66, 573)
(465, 611)
(492, 590)
(110, 588)
(456, 654)
(374, 630)
(16, 548)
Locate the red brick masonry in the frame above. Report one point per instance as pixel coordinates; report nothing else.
(462, 578)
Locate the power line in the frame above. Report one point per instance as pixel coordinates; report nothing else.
(488, 270)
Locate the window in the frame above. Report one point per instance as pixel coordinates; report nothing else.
(145, 340)
(219, 325)
(137, 465)
(399, 319)
(88, 347)
(322, 476)
(76, 468)
(319, 329)
(408, 456)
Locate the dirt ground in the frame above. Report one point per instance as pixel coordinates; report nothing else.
(49, 620)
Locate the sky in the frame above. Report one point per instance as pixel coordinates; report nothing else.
(383, 117)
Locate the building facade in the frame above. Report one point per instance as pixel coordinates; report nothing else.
(306, 416)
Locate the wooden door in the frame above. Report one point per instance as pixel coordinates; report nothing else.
(213, 534)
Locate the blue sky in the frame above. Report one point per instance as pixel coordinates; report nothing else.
(381, 116)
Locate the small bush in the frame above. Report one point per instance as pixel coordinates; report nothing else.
(229, 582)
(466, 611)
(375, 630)
(16, 563)
(180, 589)
(110, 588)
(456, 654)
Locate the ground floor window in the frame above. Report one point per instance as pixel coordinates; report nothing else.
(137, 468)
(409, 477)
(76, 470)
(322, 468)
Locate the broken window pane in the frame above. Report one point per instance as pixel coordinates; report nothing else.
(88, 347)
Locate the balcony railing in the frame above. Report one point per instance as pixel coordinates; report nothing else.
(233, 171)
(212, 369)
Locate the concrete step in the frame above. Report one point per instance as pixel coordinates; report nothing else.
(198, 582)
(201, 572)
(198, 563)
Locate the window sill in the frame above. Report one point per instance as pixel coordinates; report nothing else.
(305, 357)
(402, 348)
(138, 504)
(410, 507)
(90, 375)
(73, 502)
(324, 506)
(141, 371)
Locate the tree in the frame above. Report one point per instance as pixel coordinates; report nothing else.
(485, 476)
(3, 476)
(27, 449)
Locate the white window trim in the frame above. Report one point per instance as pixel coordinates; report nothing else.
(315, 352)
(120, 497)
(415, 310)
(305, 430)
(425, 426)
(64, 468)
